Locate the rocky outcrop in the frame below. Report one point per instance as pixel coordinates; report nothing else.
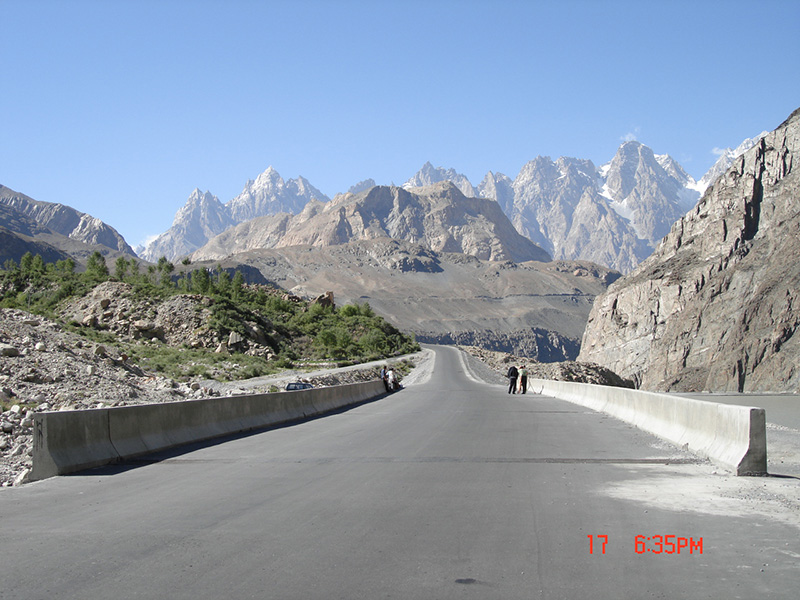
(182, 320)
(717, 306)
(438, 217)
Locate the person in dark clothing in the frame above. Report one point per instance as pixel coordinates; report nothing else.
(512, 379)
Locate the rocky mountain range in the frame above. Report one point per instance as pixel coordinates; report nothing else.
(614, 214)
(438, 217)
(717, 305)
(204, 216)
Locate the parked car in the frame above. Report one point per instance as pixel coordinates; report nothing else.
(298, 385)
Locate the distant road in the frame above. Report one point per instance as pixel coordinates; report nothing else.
(450, 488)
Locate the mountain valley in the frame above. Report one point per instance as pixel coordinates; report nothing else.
(511, 265)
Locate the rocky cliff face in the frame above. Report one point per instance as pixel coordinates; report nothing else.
(717, 306)
(438, 217)
(65, 221)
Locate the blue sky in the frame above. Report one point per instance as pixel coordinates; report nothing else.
(121, 108)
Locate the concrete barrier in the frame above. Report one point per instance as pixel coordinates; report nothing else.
(65, 442)
(76, 438)
(734, 437)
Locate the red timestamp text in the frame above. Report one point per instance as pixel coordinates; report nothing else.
(667, 544)
(652, 544)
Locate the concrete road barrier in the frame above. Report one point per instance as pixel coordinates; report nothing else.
(734, 437)
(76, 438)
(65, 442)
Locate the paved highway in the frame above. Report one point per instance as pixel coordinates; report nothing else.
(450, 488)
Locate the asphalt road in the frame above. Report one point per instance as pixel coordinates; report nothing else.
(448, 489)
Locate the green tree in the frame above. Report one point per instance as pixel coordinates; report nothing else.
(96, 268)
(37, 266)
(66, 266)
(26, 263)
(201, 281)
(121, 268)
(165, 269)
(237, 286)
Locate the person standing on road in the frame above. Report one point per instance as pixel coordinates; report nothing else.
(384, 378)
(391, 378)
(523, 379)
(512, 379)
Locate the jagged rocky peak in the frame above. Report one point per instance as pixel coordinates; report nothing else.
(362, 186)
(650, 192)
(199, 203)
(269, 194)
(717, 305)
(200, 219)
(498, 187)
(428, 175)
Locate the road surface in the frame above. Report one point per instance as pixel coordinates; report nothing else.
(450, 488)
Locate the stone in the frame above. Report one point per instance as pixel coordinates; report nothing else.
(142, 325)
(8, 350)
(22, 477)
(325, 300)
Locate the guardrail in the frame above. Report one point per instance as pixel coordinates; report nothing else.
(733, 437)
(69, 441)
